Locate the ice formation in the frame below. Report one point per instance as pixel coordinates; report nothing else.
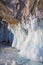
(28, 38)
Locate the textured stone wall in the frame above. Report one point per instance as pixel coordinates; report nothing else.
(23, 7)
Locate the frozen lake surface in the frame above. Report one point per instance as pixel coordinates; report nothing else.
(10, 56)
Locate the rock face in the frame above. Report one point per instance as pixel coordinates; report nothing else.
(22, 8)
(7, 14)
(39, 5)
(30, 6)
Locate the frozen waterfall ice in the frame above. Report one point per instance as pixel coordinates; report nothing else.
(29, 39)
